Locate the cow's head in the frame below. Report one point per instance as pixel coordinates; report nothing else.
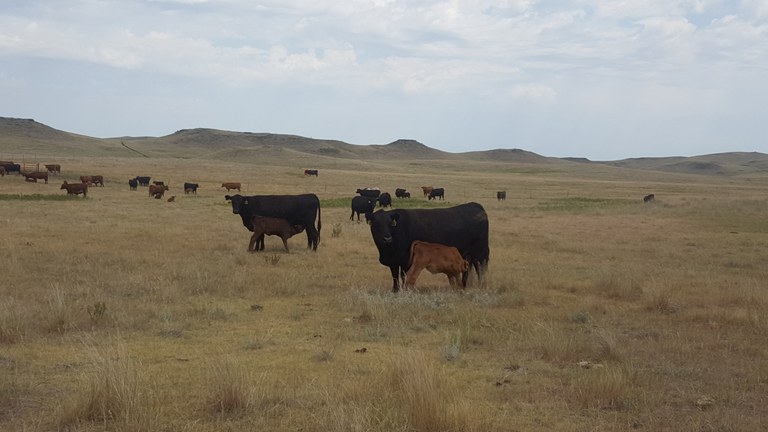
(238, 202)
(383, 226)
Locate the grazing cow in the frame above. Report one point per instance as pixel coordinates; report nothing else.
(427, 190)
(271, 226)
(191, 188)
(95, 180)
(296, 209)
(157, 191)
(501, 195)
(311, 172)
(464, 227)
(436, 258)
(369, 192)
(75, 188)
(143, 180)
(230, 186)
(385, 200)
(133, 184)
(649, 198)
(12, 167)
(361, 204)
(53, 168)
(37, 175)
(2, 171)
(437, 193)
(402, 193)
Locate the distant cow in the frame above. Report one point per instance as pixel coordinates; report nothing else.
(75, 188)
(296, 209)
(95, 180)
(464, 226)
(362, 204)
(385, 200)
(2, 171)
(143, 180)
(157, 191)
(437, 193)
(133, 184)
(271, 226)
(649, 198)
(402, 193)
(37, 175)
(427, 190)
(53, 168)
(369, 192)
(436, 258)
(12, 167)
(501, 195)
(191, 188)
(310, 172)
(230, 186)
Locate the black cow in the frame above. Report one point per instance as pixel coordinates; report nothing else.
(437, 193)
(133, 184)
(464, 226)
(649, 198)
(13, 167)
(296, 209)
(369, 192)
(362, 204)
(143, 180)
(311, 172)
(501, 195)
(402, 193)
(385, 200)
(191, 188)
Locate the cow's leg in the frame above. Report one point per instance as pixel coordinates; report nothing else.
(412, 275)
(252, 244)
(285, 243)
(260, 242)
(395, 271)
(313, 236)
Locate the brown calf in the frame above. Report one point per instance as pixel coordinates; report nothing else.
(75, 188)
(2, 171)
(271, 226)
(37, 175)
(53, 168)
(95, 180)
(427, 190)
(436, 258)
(232, 185)
(157, 191)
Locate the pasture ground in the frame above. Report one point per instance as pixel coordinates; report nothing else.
(598, 313)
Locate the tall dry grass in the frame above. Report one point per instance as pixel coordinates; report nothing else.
(667, 298)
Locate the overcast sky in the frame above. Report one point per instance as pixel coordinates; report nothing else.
(599, 79)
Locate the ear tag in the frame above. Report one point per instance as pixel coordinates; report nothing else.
(245, 201)
(393, 223)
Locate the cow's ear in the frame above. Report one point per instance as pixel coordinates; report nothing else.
(393, 219)
(227, 197)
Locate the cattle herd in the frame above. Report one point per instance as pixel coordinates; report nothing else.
(452, 240)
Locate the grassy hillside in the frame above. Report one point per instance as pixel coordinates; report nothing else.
(29, 141)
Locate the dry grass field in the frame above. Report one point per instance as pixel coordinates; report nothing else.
(599, 313)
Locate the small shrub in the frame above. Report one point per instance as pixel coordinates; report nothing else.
(230, 387)
(272, 259)
(603, 388)
(452, 349)
(323, 356)
(96, 311)
(336, 232)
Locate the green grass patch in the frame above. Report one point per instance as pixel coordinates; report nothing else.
(39, 197)
(581, 204)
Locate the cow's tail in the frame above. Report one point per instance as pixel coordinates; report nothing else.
(319, 222)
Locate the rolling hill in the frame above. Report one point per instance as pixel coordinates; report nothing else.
(27, 139)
